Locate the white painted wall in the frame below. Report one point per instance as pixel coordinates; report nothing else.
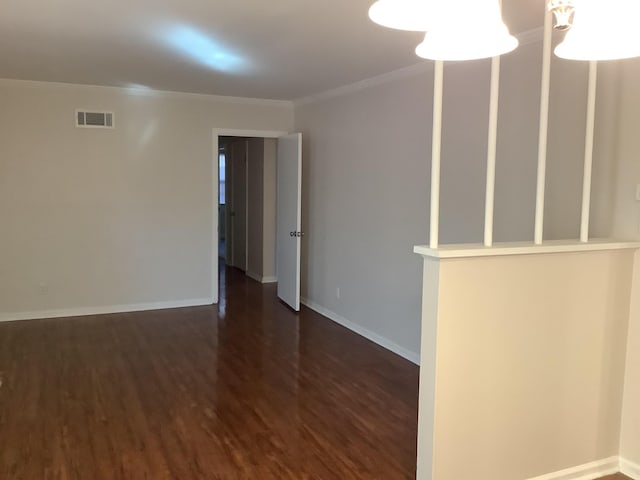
(630, 432)
(255, 217)
(529, 365)
(269, 211)
(109, 218)
(261, 209)
(239, 199)
(626, 219)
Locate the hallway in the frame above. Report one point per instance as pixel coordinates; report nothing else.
(244, 390)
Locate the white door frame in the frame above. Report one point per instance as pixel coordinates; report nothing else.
(227, 132)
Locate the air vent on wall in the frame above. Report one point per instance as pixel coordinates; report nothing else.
(86, 119)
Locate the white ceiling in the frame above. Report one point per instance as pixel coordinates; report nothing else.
(279, 49)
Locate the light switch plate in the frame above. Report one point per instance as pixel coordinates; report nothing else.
(638, 192)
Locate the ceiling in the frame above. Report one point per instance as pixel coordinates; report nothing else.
(280, 49)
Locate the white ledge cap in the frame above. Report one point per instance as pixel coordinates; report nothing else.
(523, 248)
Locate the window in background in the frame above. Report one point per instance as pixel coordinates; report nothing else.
(222, 190)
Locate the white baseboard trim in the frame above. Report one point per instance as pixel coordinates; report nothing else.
(630, 469)
(261, 279)
(588, 471)
(85, 311)
(368, 334)
(254, 276)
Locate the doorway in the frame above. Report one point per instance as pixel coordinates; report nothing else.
(236, 184)
(251, 178)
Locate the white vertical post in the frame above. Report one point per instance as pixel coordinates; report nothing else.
(588, 150)
(544, 126)
(492, 152)
(436, 148)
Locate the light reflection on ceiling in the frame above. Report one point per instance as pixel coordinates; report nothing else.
(205, 50)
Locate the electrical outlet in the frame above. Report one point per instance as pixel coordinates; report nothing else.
(338, 293)
(638, 192)
(43, 288)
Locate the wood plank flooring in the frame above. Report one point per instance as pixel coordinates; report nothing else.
(246, 390)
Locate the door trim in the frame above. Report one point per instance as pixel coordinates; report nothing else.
(226, 132)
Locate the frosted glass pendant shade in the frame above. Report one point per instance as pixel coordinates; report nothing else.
(445, 46)
(413, 15)
(602, 31)
(467, 31)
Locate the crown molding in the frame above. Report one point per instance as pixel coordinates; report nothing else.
(528, 37)
(146, 92)
(525, 38)
(401, 73)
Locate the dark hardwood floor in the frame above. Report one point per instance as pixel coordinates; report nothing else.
(246, 390)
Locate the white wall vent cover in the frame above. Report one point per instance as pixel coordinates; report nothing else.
(85, 119)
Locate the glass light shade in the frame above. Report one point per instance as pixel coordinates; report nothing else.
(602, 31)
(413, 15)
(467, 30)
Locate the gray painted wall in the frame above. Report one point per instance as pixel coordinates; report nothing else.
(366, 181)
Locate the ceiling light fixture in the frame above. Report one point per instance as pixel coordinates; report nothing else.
(460, 30)
(563, 11)
(601, 31)
(412, 15)
(474, 31)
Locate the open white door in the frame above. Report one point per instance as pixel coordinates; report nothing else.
(288, 218)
